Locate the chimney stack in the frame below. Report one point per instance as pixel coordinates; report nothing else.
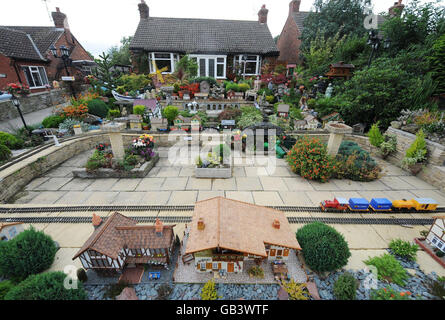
(276, 224)
(61, 21)
(201, 224)
(159, 227)
(262, 15)
(396, 9)
(143, 10)
(294, 6)
(96, 220)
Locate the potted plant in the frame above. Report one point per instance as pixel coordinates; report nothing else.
(416, 154)
(217, 165)
(388, 146)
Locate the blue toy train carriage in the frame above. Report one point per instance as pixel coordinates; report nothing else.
(358, 204)
(380, 204)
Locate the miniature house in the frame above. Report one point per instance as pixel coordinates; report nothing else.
(228, 124)
(300, 124)
(120, 242)
(225, 233)
(159, 124)
(283, 110)
(182, 123)
(436, 235)
(9, 230)
(335, 116)
(195, 123)
(135, 122)
(340, 70)
(311, 122)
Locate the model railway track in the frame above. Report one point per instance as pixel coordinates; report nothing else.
(160, 208)
(188, 219)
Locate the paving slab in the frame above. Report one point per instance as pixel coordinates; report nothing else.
(77, 184)
(396, 183)
(59, 172)
(150, 184)
(255, 171)
(174, 184)
(204, 195)
(347, 185)
(327, 186)
(64, 258)
(267, 198)
(36, 182)
(69, 235)
(245, 196)
(199, 184)
(361, 236)
(317, 196)
(389, 233)
(26, 196)
(273, 184)
(153, 172)
(155, 197)
(128, 198)
(127, 184)
(375, 185)
(187, 172)
(295, 198)
(224, 184)
(101, 198)
(417, 183)
(53, 184)
(428, 264)
(74, 197)
(298, 184)
(183, 198)
(239, 172)
(277, 171)
(102, 184)
(248, 184)
(168, 172)
(48, 197)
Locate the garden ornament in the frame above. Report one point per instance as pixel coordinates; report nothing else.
(329, 90)
(158, 72)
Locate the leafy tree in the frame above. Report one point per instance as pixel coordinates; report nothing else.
(332, 16)
(28, 253)
(170, 113)
(437, 64)
(46, 286)
(121, 54)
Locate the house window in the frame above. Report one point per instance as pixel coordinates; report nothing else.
(252, 65)
(163, 60)
(211, 66)
(35, 76)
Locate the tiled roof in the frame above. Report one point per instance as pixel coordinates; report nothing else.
(145, 236)
(203, 36)
(43, 37)
(18, 44)
(299, 18)
(238, 226)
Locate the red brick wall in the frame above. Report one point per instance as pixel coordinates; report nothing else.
(288, 43)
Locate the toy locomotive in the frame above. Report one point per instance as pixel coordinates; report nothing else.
(378, 205)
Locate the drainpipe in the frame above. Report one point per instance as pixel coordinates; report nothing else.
(17, 71)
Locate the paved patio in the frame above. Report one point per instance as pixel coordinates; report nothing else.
(253, 181)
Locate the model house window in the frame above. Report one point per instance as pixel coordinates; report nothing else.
(251, 64)
(163, 60)
(35, 76)
(211, 66)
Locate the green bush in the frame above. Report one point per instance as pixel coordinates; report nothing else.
(389, 294)
(96, 161)
(389, 269)
(249, 116)
(98, 108)
(232, 86)
(5, 287)
(209, 291)
(210, 80)
(375, 136)
(404, 249)
(139, 110)
(114, 113)
(11, 141)
(46, 286)
(295, 114)
(230, 114)
(5, 153)
(52, 121)
(30, 252)
(345, 288)
(324, 249)
(170, 113)
(243, 87)
(418, 147)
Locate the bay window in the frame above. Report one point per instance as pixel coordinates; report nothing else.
(35, 76)
(248, 65)
(211, 65)
(163, 60)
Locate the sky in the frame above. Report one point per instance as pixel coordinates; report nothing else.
(100, 24)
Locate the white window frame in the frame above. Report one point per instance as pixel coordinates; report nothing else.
(207, 58)
(45, 81)
(239, 59)
(174, 58)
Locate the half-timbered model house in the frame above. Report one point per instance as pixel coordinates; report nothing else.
(436, 235)
(119, 242)
(226, 233)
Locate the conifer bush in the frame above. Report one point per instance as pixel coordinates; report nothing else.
(375, 136)
(209, 291)
(5, 153)
(345, 288)
(389, 269)
(98, 108)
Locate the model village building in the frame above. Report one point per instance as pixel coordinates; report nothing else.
(10, 230)
(119, 242)
(436, 234)
(26, 58)
(225, 233)
(220, 47)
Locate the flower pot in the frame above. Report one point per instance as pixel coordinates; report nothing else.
(146, 127)
(415, 168)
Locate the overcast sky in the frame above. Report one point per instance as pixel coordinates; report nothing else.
(100, 24)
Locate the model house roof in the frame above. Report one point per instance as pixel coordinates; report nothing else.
(203, 36)
(238, 226)
(283, 108)
(8, 224)
(119, 231)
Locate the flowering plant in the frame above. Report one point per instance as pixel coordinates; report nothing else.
(102, 146)
(17, 88)
(76, 112)
(390, 294)
(144, 141)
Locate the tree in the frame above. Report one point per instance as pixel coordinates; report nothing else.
(104, 72)
(332, 16)
(28, 253)
(46, 286)
(186, 68)
(437, 64)
(121, 54)
(170, 113)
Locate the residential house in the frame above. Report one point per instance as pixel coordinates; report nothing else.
(436, 234)
(119, 242)
(25, 54)
(226, 233)
(9, 230)
(220, 47)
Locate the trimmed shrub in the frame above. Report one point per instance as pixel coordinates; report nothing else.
(209, 291)
(324, 248)
(52, 121)
(375, 136)
(5, 287)
(46, 286)
(345, 288)
(5, 153)
(30, 252)
(98, 108)
(164, 291)
(230, 114)
(418, 147)
(11, 141)
(114, 113)
(139, 109)
(170, 113)
(389, 269)
(404, 249)
(309, 158)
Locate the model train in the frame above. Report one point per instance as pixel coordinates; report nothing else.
(378, 205)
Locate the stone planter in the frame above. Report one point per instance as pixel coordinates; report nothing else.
(216, 173)
(415, 168)
(140, 172)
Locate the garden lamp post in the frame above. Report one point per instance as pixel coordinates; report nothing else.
(65, 54)
(374, 40)
(16, 102)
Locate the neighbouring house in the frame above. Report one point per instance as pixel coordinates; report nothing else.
(340, 70)
(25, 54)
(289, 41)
(119, 241)
(283, 110)
(436, 234)
(9, 230)
(225, 233)
(220, 47)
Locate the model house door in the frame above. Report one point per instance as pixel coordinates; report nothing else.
(230, 267)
